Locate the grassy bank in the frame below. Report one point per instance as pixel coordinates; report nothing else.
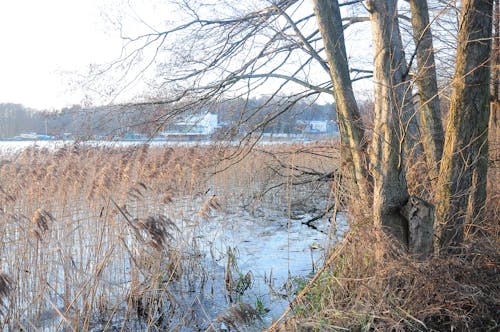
(365, 288)
(354, 293)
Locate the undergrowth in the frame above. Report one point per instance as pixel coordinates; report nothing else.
(355, 293)
(362, 288)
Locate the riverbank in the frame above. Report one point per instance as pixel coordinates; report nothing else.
(369, 287)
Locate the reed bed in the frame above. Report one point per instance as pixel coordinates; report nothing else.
(96, 238)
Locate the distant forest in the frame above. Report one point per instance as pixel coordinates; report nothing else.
(147, 119)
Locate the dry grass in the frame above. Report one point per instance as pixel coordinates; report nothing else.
(357, 291)
(95, 237)
(98, 237)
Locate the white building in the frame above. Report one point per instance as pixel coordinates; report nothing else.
(202, 124)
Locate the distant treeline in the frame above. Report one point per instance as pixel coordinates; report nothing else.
(147, 119)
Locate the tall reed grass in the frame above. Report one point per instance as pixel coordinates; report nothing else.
(100, 237)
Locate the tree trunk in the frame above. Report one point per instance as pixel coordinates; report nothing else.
(390, 191)
(494, 140)
(477, 200)
(430, 115)
(350, 123)
(420, 216)
(462, 180)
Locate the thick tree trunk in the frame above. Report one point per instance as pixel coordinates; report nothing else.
(462, 180)
(476, 205)
(430, 115)
(390, 191)
(420, 216)
(350, 123)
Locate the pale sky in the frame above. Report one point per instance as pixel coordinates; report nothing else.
(47, 45)
(44, 43)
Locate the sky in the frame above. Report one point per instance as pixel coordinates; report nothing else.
(46, 45)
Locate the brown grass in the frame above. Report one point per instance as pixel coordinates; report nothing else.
(356, 291)
(94, 236)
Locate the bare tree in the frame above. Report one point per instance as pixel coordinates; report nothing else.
(390, 191)
(285, 49)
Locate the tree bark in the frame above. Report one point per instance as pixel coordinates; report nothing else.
(390, 190)
(462, 180)
(494, 139)
(430, 114)
(420, 216)
(350, 123)
(477, 200)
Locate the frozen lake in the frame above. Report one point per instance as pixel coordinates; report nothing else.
(16, 146)
(7, 146)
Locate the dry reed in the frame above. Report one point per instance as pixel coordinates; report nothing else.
(114, 228)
